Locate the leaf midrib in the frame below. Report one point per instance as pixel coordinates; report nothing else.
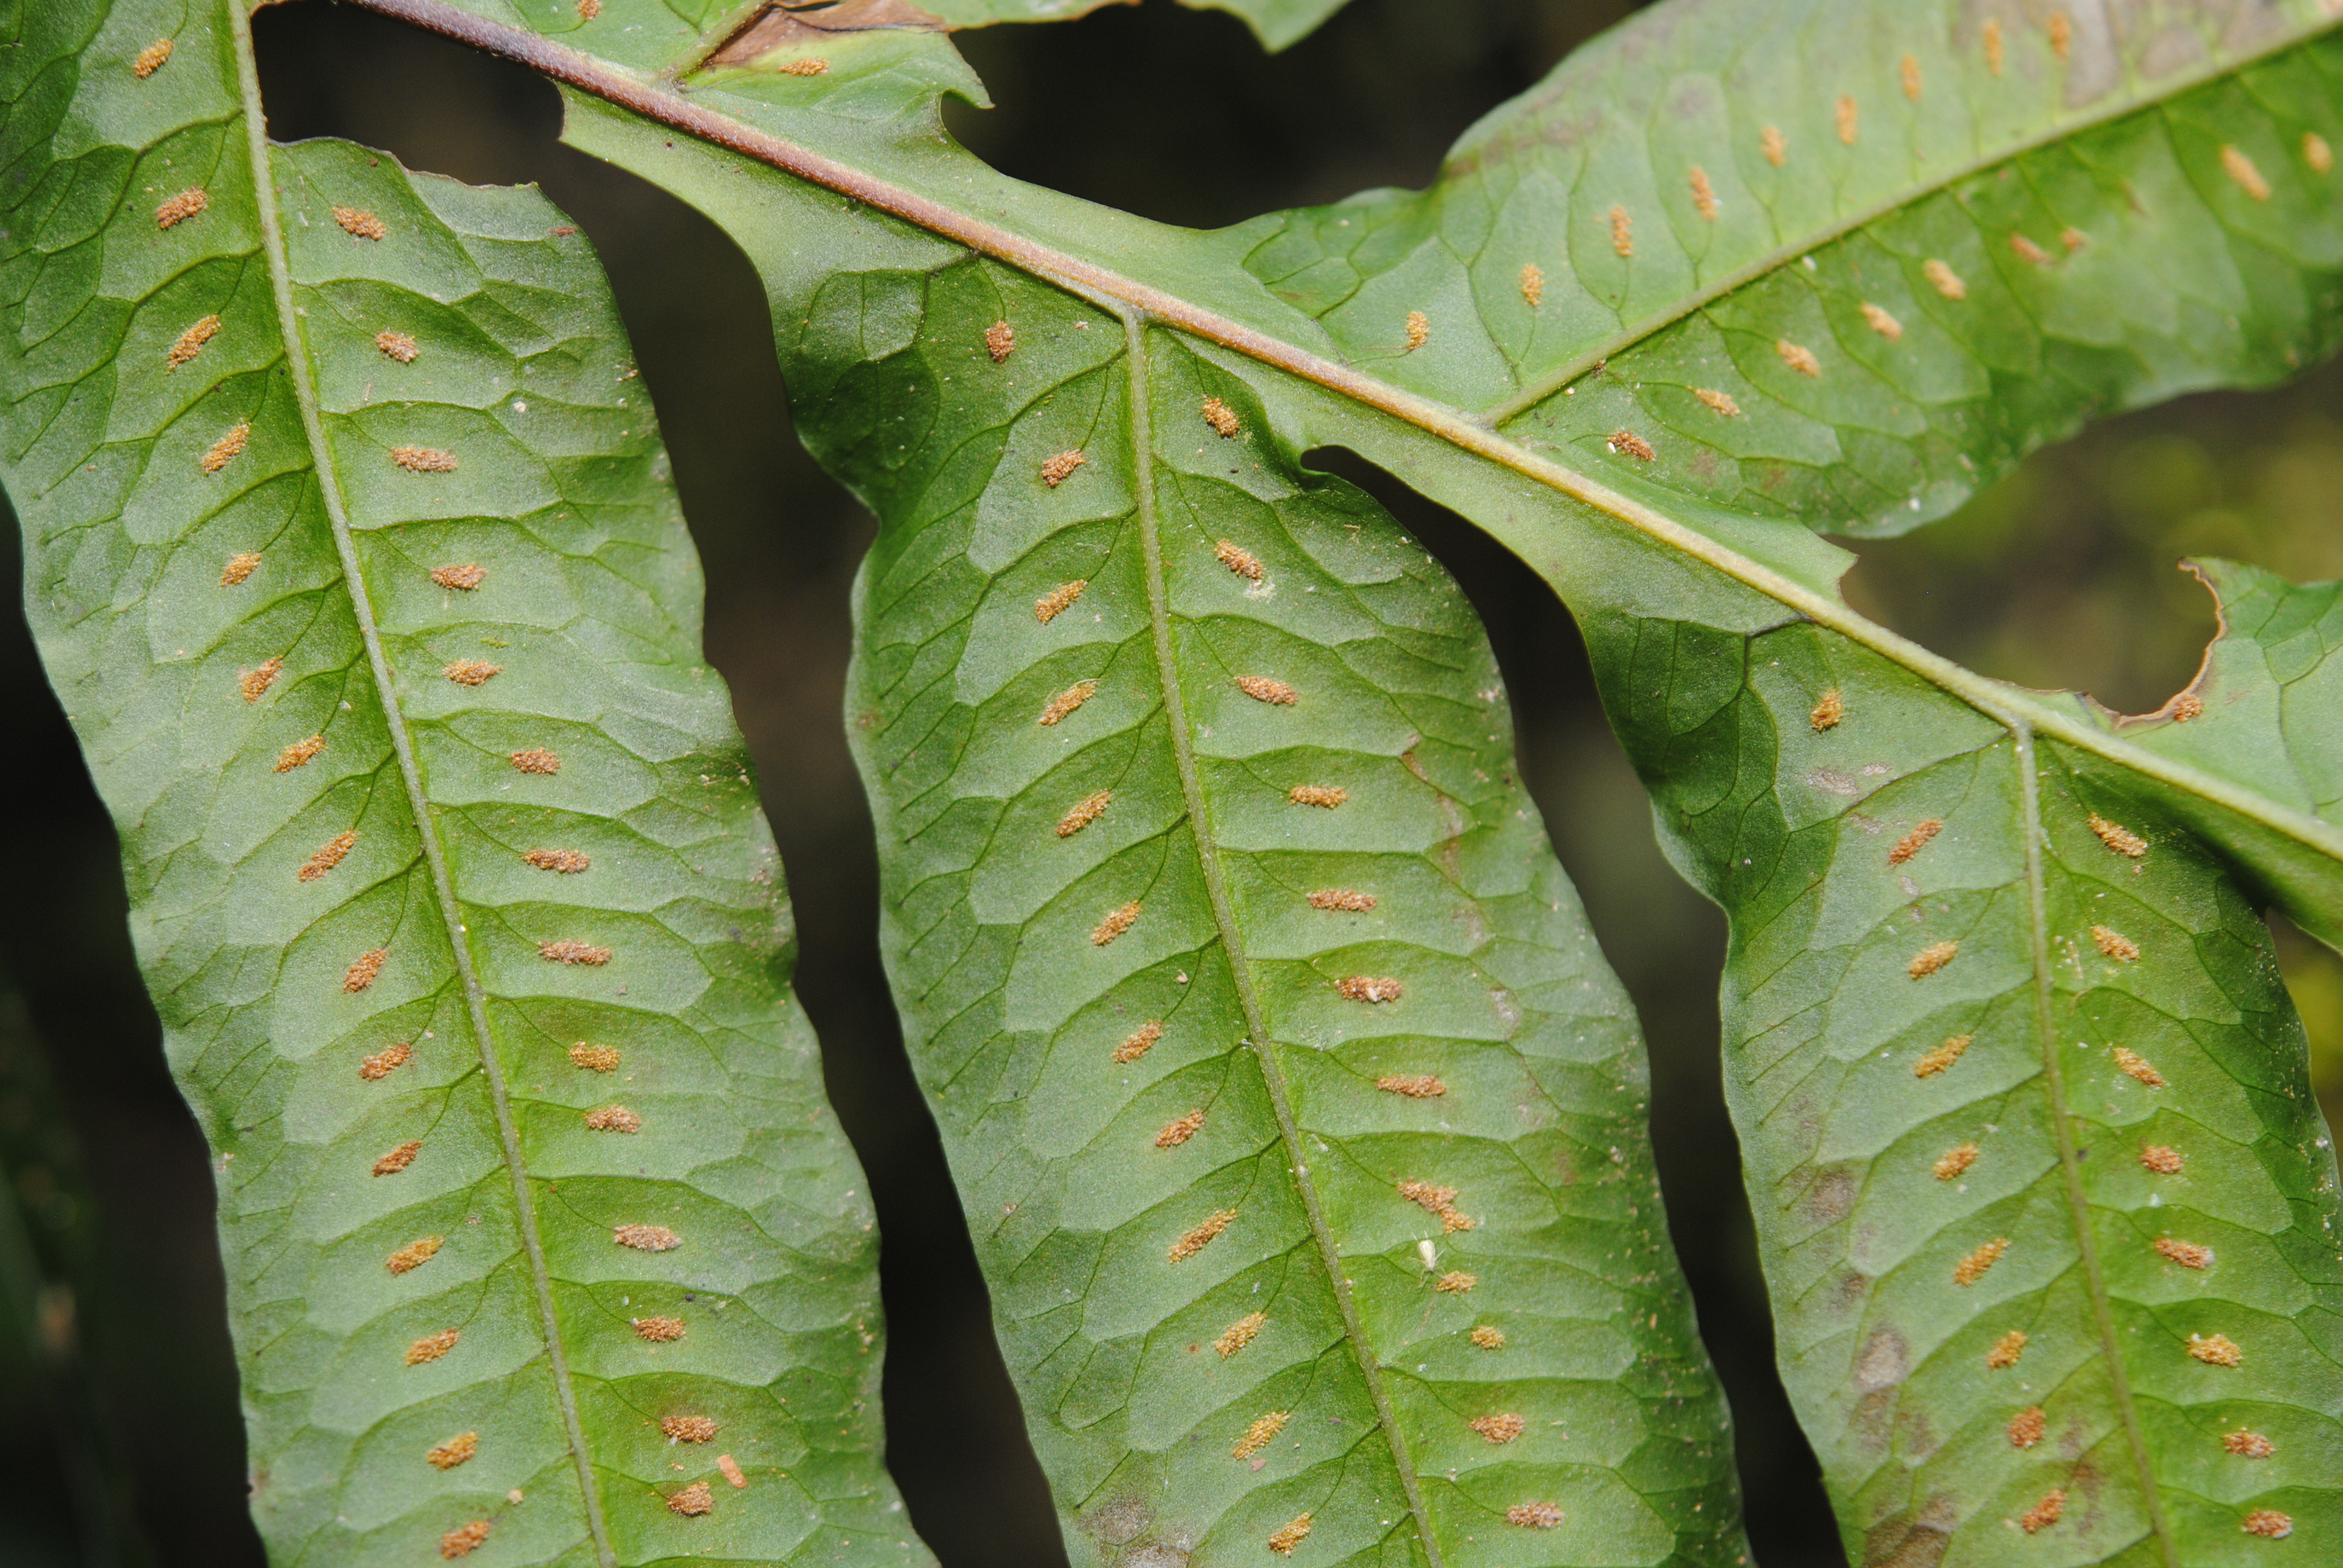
(1258, 1041)
(272, 237)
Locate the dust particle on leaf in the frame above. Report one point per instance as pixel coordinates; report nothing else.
(1175, 1134)
(1055, 469)
(568, 862)
(462, 578)
(2114, 944)
(2026, 251)
(224, 450)
(2216, 1349)
(1533, 1515)
(689, 1428)
(2243, 173)
(1000, 341)
(1413, 1085)
(423, 459)
(595, 1057)
(1955, 1163)
(1623, 232)
(2117, 836)
(1797, 357)
(358, 223)
(1197, 1238)
(1704, 195)
(1932, 957)
(1287, 1536)
(569, 952)
(1533, 282)
(1944, 280)
(1115, 924)
(1627, 444)
(658, 1331)
(1369, 989)
(1141, 1041)
(1455, 1283)
(363, 970)
(456, 1450)
(2249, 1444)
(472, 672)
(2316, 153)
(253, 684)
(1258, 1435)
(191, 342)
(646, 1237)
(2027, 1426)
(2162, 1159)
(613, 1119)
(1978, 1263)
(329, 855)
(239, 567)
(1261, 688)
(1342, 898)
(1488, 1338)
(413, 1255)
(1419, 330)
(1908, 68)
(811, 66)
(536, 762)
(2268, 1523)
(2006, 1350)
(464, 1539)
(1237, 559)
(1878, 318)
(1051, 605)
(2135, 1066)
(383, 1063)
(1844, 114)
(1240, 1333)
(150, 59)
(1992, 38)
(1913, 842)
(1721, 403)
(399, 1159)
(181, 207)
(1499, 1429)
(731, 1469)
(1829, 711)
(2187, 1255)
(2045, 1513)
(1085, 811)
(1066, 702)
(1942, 1057)
(694, 1501)
(1776, 150)
(397, 345)
(431, 1347)
(1325, 796)
(1221, 416)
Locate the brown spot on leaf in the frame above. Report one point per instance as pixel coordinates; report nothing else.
(1913, 842)
(1240, 1333)
(1000, 341)
(1196, 1239)
(1342, 898)
(1829, 712)
(2243, 173)
(1488, 1338)
(1054, 470)
(694, 1501)
(810, 66)
(1258, 1435)
(568, 862)
(731, 1469)
(2006, 1350)
(1221, 416)
(1327, 796)
(329, 855)
(225, 451)
(253, 685)
(2316, 153)
(2026, 1427)
(240, 566)
(2162, 1159)
(1178, 1132)
(1499, 1429)
(462, 578)
(1942, 1057)
(2268, 1523)
(2187, 1255)
(2026, 251)
(181, 207)
(191, 342)
(382, 1064)
(1116, 923)
(1623, 232)
(456, 1450)
(1627, 444)
(1533, 282)
(569, 952)
(1051, 605)
(298, 754)
(1086, 811)
(595, 1057)
(2185, 706)
(413, 1255)
(1776, 150)
(537, 760)
(1955, 1163)
(1067, 702)
(1704, 195)
(1980, 1262)
(689, 1428)
(1261, 688)
(364, 969)
(1287, 1536)
(1533, 1515)
(1419, 330)
(1368, 989)
(1932, 957)
(1141, 1041)
(2114, 944)
(2216, 1350)
(397, 345)
(358, 223)
(1241, 561)
(2135, 1066)
(2045, 1513)
(1797, 357)
(1993, 45)
(150, 59)
(1844, 114)
(399, 1159)
(1721, 402)
(1878, 318)
(2119, 838)
(1455, 1283)
(431, 1347)
(1908, 68)
(423, 459)
(646, 1237)
(472, 672)
(613, 1119)
(2249, 1444)
(658, 1331)
(464, 1539)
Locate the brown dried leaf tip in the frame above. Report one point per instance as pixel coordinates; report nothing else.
(1909, 69)
(731, 1469)
(399, 1159)
(1627, 444)
(240, 566)
(2316, 153)
(225, 451)
(535, 760)
(1258, 1435)
(1369, 989)
(1499, 1428)
(1051, 605)
(1944, 280)
(1261, 688)
(2114, 944)
(595, 1057)
(2243, 173)
(1195, 1240)
(1978, 1265)
(1342, 898)
(1116, 923)
(1844, 113)
(358, 223)
(298, 754)
(1178, 1132)
(397, 345)
(1055, 469)
(150, 59)
(1829, 712)
(1878, 318)
(568, 862)
(1955, 1163)
(1721, 403)
(363, 970)
(2045, 1513)
(383, 1063)
(462, 578)
(1419, 330)
(2027, 1427)
(1623, 232)
(1237, 559)
(413, 1255)
(1776, 149)
(646, 1237)
(1455, 1283)
(1086, 811)
(1533, 284)
(1221, 416)
(2249, 1444)
(2268, 1523)
(1286, 1537)
(1992, 39)
(1931, 959)
(2162, 1159)
(1487, 1337)
(181, 207)
(455, 1451)
(1415, 1086)
(464, 1539)
(2187, 1255)
(1533, 1515)
(253, 685)
(191, 342)
(1240, 1333)
(1142, 1039)
(1704, 195)
(689, 1428)
(1942, 1057)
(567, 952)
(423, 459)
(1797, 357)
(329, 855)
(2216, 1350)
(658, 1331)
(1000, 341)
(472, 672)
(2135, 1066)
(613, 1119)
(1326, 795)
(811, 66)
(1913, 842)
(1066, 702)
(2005, 1351)
(694, 1501)
(2119, 838)
(431, 1347)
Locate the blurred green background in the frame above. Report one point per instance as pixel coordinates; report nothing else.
(120, 1437)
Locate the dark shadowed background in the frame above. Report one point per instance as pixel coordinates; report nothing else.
(120, 1437)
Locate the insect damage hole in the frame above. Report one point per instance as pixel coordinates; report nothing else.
(1258, 1436)
(1931, 959)
(358, 223)
(399, 346)
(1342, 898)
(1980, 1262)
(225, 451)
(181, 207)
(1197, 1238)
(613, 1119)
(457, 1450)
(1913, 842)
(1941, 1058)
(1237, 559)
(646, 1237)
(1142, 1039)
(1240, 1333)
(363, 970)
(431, 1347)
(191, 342)
(1067, 702)
(1055, 469)
(1051, 605)
(595, 1057)
(329, 855)
(399, 1159)
(383, 1063)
